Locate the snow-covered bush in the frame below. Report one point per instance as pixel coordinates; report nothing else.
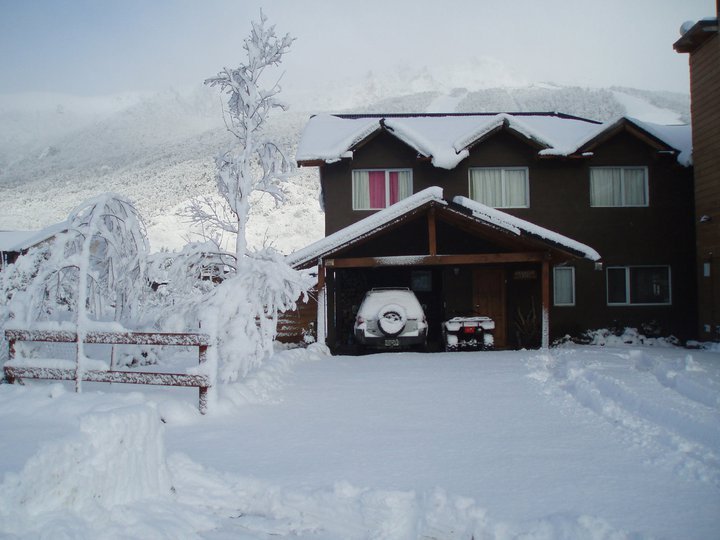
(614, 337)
(181, 281)
(96, 268)
(241, 312)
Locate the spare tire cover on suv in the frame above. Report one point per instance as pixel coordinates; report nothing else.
(391, 319)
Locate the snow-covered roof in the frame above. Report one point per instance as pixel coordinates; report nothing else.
(491, 216)
(22, 240)
(364, 227)
(446, 139)
(329, 138)
(677, 137)
(10, 239)
(520, 226)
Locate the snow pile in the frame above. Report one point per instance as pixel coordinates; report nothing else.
(614, 338)
(262, 510)
(116, 460)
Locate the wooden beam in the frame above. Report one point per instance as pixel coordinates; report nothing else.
(435, 260)
(432, 232)
(111, 338)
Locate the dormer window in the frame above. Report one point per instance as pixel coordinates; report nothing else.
(375, 189)
(618, 186)
(500, 187)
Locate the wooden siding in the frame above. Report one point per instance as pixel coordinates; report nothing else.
(705, 105)
(298, 325)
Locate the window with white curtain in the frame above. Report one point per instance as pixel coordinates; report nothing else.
(618, 186)
(564, 286)
(374, 189)
(500, 187)
(638, 285)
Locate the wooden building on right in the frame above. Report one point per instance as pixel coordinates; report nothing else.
(702, 43)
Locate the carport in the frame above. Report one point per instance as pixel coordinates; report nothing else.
(459, 257)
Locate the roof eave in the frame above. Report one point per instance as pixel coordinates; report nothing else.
(698, 34)
(621, 124)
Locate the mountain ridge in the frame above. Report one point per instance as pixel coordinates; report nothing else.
(158, 149)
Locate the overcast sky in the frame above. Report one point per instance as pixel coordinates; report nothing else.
(95, 47)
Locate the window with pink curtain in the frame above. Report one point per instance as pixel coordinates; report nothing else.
(394, 187)
(377, 189)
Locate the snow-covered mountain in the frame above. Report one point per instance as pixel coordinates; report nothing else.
(57, 150)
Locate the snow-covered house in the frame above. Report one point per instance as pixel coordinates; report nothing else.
(702, 42)
(14, 243)
(548, 223)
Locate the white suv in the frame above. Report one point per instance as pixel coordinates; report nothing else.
(390, 318)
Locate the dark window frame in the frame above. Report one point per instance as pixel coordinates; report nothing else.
(629, 285)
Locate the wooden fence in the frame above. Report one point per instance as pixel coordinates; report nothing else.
(16, 371)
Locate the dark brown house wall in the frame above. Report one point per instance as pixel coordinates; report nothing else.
(660, 234)
(381, 152)
(705, 104)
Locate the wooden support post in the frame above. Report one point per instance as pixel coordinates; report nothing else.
(78, 372)
(432, 233)
(202, 390)
(11, 355)
(322, 304)
(545, 341)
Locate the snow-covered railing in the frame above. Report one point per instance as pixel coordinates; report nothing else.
(16, 370)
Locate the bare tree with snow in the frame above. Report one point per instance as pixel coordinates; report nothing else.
(254, 164)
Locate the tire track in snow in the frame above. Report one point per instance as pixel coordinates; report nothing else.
(659, 407)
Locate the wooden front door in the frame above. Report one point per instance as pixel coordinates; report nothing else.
(489, 299)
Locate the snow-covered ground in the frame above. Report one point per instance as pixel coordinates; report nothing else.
(571, 443)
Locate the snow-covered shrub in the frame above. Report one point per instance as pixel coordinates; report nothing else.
(241, 312)
(14, 279)
(614, 337)
(95, 268)
(180, 282)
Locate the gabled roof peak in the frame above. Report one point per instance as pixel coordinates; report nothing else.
(433, 196)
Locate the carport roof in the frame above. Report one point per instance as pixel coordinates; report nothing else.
(472, 210)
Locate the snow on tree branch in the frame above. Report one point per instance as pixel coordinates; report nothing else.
(255, 163)
(96, 266)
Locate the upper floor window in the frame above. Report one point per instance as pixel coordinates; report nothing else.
(374, 189)
(627, 285)
(500, 187)
(618, 186)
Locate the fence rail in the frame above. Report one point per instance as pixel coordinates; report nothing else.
(15, 372)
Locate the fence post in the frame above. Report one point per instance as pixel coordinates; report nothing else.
(11, 356)
(202, 390)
